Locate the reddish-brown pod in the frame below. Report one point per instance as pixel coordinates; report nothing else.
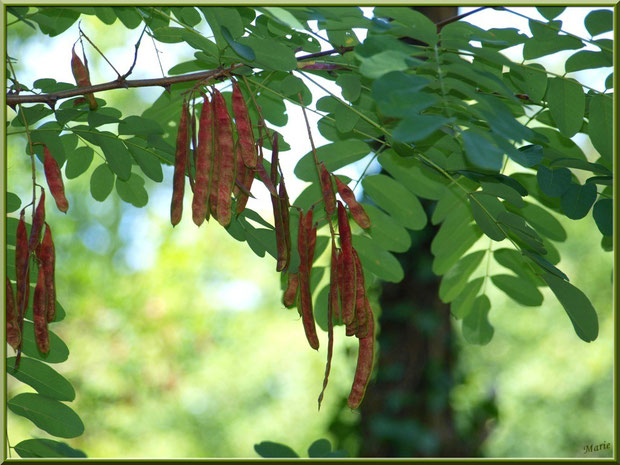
(180, 164)
(204, 163)
(328, 190)
(360, 293)
(334, 284)
(54, 180)
(245, 177)
(13, 334)
(347, 278)
(285, 207)
(47, 257)
(332, 304)
(223, 125)
(289, 297)
(37, 223)
(247, 148)
(39, 317)
(365, 358)
(357, 211)
(82, 77)
(305, 296)
(22, 259)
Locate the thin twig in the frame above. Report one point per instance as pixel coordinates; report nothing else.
(135, 56)
(99, 51)
(453, 19)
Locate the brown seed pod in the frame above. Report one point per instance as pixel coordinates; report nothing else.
(289, 297)
(332, 303)
(54, 180)
(37, 223)
(82, 77)
(247, 148)
(39, 316)
(347, 278)
(180, 164)
(360, 293)
(357, 211)
(22, 262)
(334, 287)
(286, 219)
(204, 163)
(226, 180)
(365, 358)
(47, 258)
(305, 296)
(327, 189)
(13, 334)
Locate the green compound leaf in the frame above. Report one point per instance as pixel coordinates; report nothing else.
(567, 103)
(43, 378)
(101, 182)
(476, 327)
(46, 448)
(577, 305)
(394, 198)
(454, 281)
(521, 290)
(577, 200)
(48, 414)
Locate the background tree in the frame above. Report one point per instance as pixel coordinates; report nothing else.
(447, 128)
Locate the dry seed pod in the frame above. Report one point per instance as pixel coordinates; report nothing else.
(285, 211)
(247, 148)
(226, 173)
(204, 164)
(82, 77)
(347, 278)
(180, 164)
(47, 258)
(22, 259)
(290, 294)
(332, 303)
(328, 190)
(37, 223)
(360, 292)
(365, 358)
(13, 334)
(54, 180)
(39, 316)
(357, 211)
(305, 296)
(334, 287)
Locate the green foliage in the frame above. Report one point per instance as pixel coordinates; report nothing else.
(491, 150)
(321, 448)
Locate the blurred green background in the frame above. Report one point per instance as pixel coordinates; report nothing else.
(180, 346)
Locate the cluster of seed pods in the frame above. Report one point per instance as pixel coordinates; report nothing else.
(224, 165)
(347, 299)
(33, 249)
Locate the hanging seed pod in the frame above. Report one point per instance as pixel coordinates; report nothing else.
(180, 165)
(286, 219)
(247, 148)
(54, 180)
(82, 77)
(204, 163)
(22, 260)
(328, 190)
(37, 223)
(332, 302)
(223, 125)
(39, 316)
(357, 211)
(360, 293)
(305, 296)
(13, 334)
(365, 358)
(47, 258)
(347, 279)
(290, 294)
(334, 284)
